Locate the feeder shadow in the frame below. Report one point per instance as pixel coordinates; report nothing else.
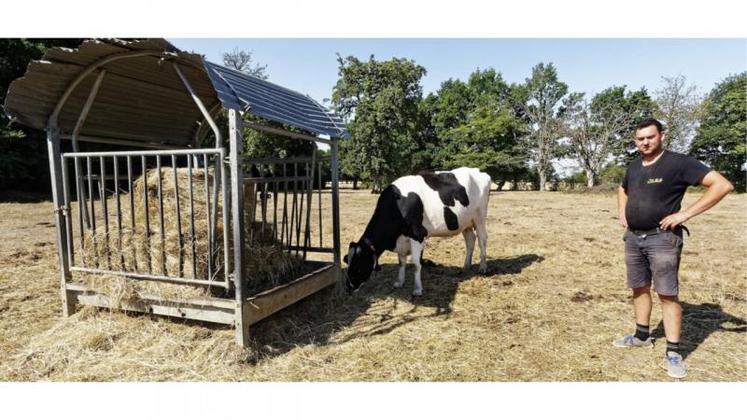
(699, 322)
(333, 316)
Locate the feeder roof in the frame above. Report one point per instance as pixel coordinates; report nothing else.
(142, 98)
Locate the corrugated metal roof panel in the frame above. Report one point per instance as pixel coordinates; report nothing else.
(143, 98)
(240, 91)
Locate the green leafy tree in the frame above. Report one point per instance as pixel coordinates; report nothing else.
(475, 125)
(721, 138)
(23, 150)
(380, 101)
(543, 95)
(621, 109)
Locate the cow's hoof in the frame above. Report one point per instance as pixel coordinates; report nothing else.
(398, 284)
(483, 269)
(466, 269)
(417, 293)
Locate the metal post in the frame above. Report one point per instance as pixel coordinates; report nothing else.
(335, 201)
(60, 213)
(237, 209)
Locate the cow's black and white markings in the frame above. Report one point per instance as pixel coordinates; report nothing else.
(415, 207)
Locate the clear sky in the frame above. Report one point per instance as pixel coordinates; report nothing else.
(587, 65)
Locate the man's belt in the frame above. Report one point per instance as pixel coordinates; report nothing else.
(644, 233)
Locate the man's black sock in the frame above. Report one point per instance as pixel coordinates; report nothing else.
(641, 332)
(673, 347)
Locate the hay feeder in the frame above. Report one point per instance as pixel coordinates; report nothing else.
(204, 227)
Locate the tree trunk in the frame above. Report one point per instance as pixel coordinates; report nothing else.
(355, 183)
(589, 178)
(542, 180)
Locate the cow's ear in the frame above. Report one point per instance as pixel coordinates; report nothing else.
(352, 244)
(345, 259)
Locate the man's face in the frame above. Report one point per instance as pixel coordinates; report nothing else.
(648, 140)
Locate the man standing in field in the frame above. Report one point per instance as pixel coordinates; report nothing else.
(649, 207)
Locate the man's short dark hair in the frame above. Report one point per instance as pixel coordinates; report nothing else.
(649, 122)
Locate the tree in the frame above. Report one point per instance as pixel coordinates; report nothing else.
(596, 131)
(543, 92)
(242, 61)
(23, 150)
(720, 138)
(380, 101)
(477, 127)
(617, 102)
(680, 108)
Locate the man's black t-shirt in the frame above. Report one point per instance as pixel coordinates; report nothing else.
(656, 191)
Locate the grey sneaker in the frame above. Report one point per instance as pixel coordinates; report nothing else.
(631, 341)
(676, 368)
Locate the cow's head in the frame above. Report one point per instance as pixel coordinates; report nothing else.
(361, 260)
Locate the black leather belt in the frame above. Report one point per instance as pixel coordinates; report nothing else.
(644, 233)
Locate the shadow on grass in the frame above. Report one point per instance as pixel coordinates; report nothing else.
(333, 316)
(699, 322)
(15, 196)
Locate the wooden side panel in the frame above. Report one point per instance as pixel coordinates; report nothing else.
(267, 303)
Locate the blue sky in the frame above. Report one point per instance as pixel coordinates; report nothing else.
(587, 65)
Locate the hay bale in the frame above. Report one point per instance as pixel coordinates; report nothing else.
(136, 250)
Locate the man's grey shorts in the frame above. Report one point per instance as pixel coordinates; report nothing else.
(655, 257)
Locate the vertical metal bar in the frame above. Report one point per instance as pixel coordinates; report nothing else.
(132, 212)
(81, 205)
(67, 213)
(192, 217)
(214, 209)
(178, 215)
(104, 209)
(209, 219)
(224, 210)
(237, 208)
(53, 149)
(309, 192)
(320, 185)
(263, 198)
(335, 200)
(284, 225)
(292, 225)
(146, 210)
(275, 210)
(119, 213)
(93, 214)
(300, 212)
(159, 189)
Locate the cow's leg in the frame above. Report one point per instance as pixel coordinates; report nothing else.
(416, 250)
(469, 240)
(482, 237)
(401, 276)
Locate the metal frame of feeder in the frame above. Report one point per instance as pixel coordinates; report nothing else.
(229, 179)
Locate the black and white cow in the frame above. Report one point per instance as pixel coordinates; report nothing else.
(415, 207)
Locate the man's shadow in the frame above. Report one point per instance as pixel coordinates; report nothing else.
(700, 321)
(334, 316)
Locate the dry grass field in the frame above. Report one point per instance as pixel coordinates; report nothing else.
(552, 301)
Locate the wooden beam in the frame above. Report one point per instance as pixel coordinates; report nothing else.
(267, 303)
(198, 309)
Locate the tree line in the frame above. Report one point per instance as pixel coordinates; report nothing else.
(515, 131)
(512, 131)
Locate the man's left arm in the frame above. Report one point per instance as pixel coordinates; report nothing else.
(718, 187)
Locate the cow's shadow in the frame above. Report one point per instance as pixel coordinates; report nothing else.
(334, 316)
(699, 322)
